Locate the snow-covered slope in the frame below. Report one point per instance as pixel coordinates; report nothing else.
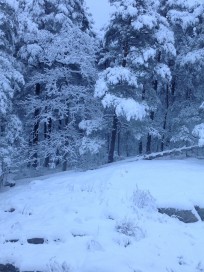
(105, 220)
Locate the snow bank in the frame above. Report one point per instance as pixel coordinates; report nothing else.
(105, 220)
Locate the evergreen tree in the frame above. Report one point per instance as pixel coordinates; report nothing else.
(11, 83)
(138, 45)
(186, 20)
(58, 49)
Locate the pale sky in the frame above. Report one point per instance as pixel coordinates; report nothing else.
(100, 10)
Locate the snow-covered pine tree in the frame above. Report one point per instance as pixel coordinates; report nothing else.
(11, 82)
(59, 51)
(186, 20)
(137, 47)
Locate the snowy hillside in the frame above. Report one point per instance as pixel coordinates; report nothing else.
(105, 220)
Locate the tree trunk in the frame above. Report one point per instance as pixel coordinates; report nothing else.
(66, 122)
(125, 52)
(47, 132)
(165, 117)
(149, 141)
(149, 137)
(141, 143)
(36, 127)
(140, 148)
(113, 139)
(127, 141)
(64, 164)
(118, 143)
(163, 136)
(169, 152)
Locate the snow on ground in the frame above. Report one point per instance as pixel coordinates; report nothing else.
(105, 220)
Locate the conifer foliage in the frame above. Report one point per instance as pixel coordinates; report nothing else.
(11, 82)
(59, 54)
(138, 45)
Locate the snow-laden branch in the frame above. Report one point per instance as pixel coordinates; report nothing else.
(169, 152)
(165, 153)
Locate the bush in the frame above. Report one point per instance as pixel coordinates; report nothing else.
(143, 200)
(129, 228)
(56, 267)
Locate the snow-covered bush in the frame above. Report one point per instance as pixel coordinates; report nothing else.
(129, 228)
(143, 200)
(56, 267)
(124, 241)
(94, 246)
(199, 132)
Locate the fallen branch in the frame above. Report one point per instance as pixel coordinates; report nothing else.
(168, 152)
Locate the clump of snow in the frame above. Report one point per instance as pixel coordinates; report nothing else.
(163, 71)
(143, 56)
(124, 106)
(185, 3)
(90, 126)
(199, 132)
(144, 20)
(196, 56)
(124, 10)
(90, 145)
(101, 87)
(202, 106)
(184, 19)
(149, 53)
(114, 76)
(165, 37)
(129, 108)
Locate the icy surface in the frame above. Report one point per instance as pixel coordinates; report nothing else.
(106, 220)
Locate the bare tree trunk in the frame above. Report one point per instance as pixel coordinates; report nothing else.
(113, 139)
(163, 136)
(36, 127)
(118, 143)
(66, 122)
(148, 146)
(47, 132)
(165, 117)
(141, 143)
(149, 137)
(64, 164)
(127, 140)
(140, 148)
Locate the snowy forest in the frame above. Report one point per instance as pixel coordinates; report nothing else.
(71, 99)
(101, 136)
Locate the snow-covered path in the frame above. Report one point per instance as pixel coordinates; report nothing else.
(105, 220)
